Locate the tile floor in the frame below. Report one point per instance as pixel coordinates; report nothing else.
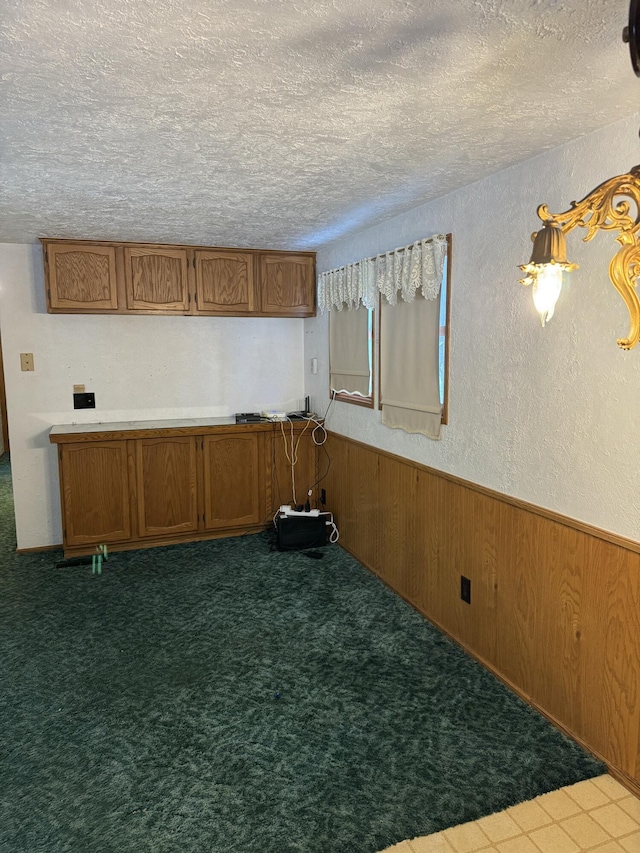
(597, 815)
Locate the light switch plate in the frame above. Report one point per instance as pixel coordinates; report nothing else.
(26, 361)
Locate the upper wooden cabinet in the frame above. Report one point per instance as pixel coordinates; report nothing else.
(81, 278)
(287, 285)
(157, 279)
(139, 278)
(224, 282)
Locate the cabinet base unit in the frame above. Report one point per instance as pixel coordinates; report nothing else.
(133, 485)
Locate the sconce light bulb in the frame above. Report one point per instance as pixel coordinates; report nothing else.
(547, 285)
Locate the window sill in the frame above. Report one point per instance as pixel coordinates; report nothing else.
(355, 399)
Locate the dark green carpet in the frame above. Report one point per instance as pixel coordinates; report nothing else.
(139, 709)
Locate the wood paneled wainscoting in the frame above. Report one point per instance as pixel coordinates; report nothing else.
(555, 604)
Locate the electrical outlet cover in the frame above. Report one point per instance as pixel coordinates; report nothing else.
(84, 401)
(465, 589)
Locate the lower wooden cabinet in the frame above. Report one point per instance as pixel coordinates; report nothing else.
(95, 492)
(139, 487)
(234, 481)
(167, 490)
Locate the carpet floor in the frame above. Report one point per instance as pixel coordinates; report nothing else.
(223, 697)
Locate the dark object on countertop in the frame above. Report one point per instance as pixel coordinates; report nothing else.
(248, 418)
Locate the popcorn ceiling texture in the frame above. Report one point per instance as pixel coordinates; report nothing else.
(285, 124)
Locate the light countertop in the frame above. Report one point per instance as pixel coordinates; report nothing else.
(123, 426)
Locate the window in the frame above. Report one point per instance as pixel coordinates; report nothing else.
(414, 353)
(412, 350)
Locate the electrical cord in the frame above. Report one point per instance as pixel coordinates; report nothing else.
(334, 535)
(293, 458)
(291, 446)
(319, 436)
(319, 426)
(333, 397)
(320, 479)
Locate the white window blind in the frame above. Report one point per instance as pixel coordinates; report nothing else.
(409, 362)
(349, 351)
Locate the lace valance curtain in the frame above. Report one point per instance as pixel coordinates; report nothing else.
(403, 271)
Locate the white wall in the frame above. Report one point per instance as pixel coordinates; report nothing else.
(551, 415)
(138, 367)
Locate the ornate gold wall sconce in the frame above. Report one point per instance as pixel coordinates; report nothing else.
(612, 206)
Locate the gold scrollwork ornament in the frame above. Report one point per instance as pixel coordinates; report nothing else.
(600, 210)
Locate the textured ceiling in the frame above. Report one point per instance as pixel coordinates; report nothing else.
(285, 123)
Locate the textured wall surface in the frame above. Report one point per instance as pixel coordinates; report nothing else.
(138, 367)
(547, 415)
(285, 124)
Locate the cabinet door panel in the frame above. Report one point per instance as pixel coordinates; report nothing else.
(233, 481)
(287, 285)
(157, 279)
(167, 485)
(224, 282)
(95, 492)
(81, 278)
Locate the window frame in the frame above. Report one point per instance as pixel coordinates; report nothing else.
(447, 335)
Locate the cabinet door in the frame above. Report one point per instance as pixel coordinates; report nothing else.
(81, 278)
(95, 492)
(167, 491)
(233, 481)
(156, 279)
(287, 285)
(224, 282)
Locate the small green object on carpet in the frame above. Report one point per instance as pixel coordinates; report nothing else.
(221, 697)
